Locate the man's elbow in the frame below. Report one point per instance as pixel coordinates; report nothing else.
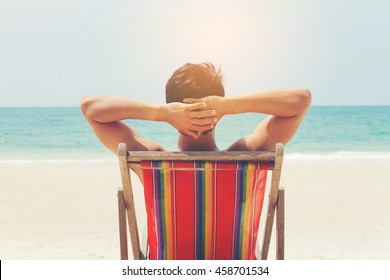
(86, 106)
(304, 99)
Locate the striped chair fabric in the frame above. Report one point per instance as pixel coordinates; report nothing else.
(203, 210)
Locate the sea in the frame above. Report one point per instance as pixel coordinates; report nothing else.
(327, 134)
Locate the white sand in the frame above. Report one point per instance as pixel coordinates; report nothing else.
(69, 211)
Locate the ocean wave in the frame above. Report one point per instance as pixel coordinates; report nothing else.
(54, 161)
(341, 156)
(293, 157)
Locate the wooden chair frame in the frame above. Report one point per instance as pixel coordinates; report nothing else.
(126, 207)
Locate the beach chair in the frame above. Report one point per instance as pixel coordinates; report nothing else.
(202, 205)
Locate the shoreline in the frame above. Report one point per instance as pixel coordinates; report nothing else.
(69, 211)
(286, 161)
(292, 158)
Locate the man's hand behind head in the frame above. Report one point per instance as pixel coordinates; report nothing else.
(191, 119)
(212, 103)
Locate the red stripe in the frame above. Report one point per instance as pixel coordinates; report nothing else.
(225, 211)
(259, 203)
(185, 214)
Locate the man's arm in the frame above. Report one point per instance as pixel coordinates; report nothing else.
(285, 107)
(105, 115)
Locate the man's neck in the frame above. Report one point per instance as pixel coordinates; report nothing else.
(203, 143)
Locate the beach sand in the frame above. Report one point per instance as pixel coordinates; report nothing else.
(67, 211)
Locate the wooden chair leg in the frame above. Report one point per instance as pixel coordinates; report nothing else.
(280, 225)
(273, 199)
(122, 225)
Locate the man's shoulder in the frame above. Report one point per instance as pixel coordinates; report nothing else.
(240, 144)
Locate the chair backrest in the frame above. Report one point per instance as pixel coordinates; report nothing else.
(202, 205)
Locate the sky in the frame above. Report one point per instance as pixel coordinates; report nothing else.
(54, 52)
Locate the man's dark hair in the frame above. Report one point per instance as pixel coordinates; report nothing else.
(194, 81)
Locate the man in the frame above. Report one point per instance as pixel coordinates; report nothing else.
(195, 103)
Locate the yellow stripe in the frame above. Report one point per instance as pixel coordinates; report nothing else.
(209, 211)
(246, 211)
